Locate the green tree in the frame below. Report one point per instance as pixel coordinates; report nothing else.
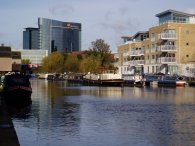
(71, 63)
(26, 61)
(53, 63)
(101, 50)
(90, 64)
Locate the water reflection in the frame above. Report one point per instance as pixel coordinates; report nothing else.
(62, 114)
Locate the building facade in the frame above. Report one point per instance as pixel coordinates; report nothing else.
(167, 48)
(31, 39)
(53, 35)
(35, 56)
(5, 59)
(9, 60)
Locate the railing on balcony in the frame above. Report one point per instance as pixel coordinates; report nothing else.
(167, 48)
(137, 53)
(167, 36)
(137, 62)
(126, 54)
(166, 60)
(140, 62)
(133, 63)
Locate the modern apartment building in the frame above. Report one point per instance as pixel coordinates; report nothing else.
(53, 35)
(168, 48)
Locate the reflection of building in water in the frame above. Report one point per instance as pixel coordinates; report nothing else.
(133, 92)
(110, 92)
(107, 92)
(51, 109)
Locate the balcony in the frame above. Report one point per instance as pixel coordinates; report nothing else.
(126, 54)
(167, 36)
(137, 53)
(167, 48)
(140, 62)
(166, 60)
(133, 63)
(137, 62)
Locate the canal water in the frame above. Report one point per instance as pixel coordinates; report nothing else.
(74, 115)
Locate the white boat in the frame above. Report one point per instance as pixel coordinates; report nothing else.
(104, 79)
(45, 76)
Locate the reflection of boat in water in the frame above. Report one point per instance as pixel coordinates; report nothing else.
(175, 81)
(17, 90)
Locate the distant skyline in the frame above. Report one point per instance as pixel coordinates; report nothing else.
(106, 19)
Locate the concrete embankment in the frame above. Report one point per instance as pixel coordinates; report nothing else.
(8, 135)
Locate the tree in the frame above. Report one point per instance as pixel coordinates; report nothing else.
(26, 61)
(71, 63)
(101, 50)
(90, 64)
(53, 63)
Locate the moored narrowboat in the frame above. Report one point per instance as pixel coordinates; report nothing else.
(17, 90)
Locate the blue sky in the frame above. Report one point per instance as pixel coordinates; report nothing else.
(106, 19)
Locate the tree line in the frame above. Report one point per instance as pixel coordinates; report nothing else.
(98, 56)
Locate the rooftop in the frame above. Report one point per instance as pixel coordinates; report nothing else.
(175, 12)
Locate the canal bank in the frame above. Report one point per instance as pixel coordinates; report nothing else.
(8, 136)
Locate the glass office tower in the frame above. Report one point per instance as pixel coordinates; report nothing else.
(59, 36)
(31, 39)
(53, 35)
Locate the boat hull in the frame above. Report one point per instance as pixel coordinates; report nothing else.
(109, 82)
(181, 83)
(139, 83)
(17, 96)
(17, 90)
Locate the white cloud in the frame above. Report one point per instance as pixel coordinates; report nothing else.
(61, 9)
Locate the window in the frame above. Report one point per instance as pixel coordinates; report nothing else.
(153, 35)
(152, 69)
(187, 44)
(156, 57)
(153, 46)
